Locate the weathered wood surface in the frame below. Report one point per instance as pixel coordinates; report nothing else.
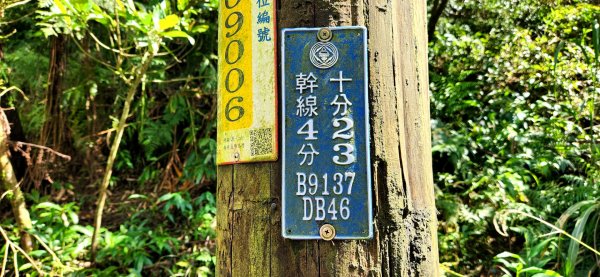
(9, 187)
(249, 239)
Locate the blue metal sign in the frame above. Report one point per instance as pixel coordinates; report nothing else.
(326, 162)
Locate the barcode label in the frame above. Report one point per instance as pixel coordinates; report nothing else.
(261, 141)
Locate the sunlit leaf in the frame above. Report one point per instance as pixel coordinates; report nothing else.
(168, 22)
(179, 34)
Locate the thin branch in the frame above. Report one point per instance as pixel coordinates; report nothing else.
(2, 197)
(118, 37)
(110, 48)
(13, 246)
(16, 265)
(183, 54)
(110, 130)
(54, 257)
(5, 91)
(16, 20)
(179, 80)
(4, 261)
(20, 143)
(92, 57)
(9, 191)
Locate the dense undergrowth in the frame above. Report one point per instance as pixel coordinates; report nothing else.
(169, 236)
(515, 125)
(515, 97)
(75, 63)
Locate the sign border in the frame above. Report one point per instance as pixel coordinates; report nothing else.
(367, 131)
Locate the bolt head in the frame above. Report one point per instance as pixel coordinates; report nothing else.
(324, 35)
(327, 232)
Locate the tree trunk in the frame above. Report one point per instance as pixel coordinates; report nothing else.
(10, 185)
(436, 12)
(54, 131)
(249, 241)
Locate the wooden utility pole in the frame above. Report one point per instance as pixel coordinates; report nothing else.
(249, 241)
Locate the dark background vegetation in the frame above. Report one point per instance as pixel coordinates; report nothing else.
(515, 125)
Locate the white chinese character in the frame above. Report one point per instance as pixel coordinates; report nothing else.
(311, 106)
(306, 82)
(341, 80)
(300, 107)
(341, 103)
(306, 106)
(311, 152)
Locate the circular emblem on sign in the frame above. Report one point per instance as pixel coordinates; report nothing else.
(323, 55)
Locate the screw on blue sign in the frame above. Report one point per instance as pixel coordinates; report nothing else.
(326, 157)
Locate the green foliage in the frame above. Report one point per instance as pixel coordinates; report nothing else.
(143, 245)
(174, 112)
(536, 255)
(587, 215)
(168, 149)
(514, 125)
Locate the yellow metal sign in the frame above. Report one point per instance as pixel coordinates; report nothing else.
(247, 91)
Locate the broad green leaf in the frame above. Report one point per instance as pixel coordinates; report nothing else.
(200, 28)
(532, 269)
(506, 254)
(37, 253)
(559, 47)
(538, 248)
(547, 273)
(47, 206)
(570, 211)
(131, 6)
(25, 266)
(168, 22)
(82, 230)
(73, 217)
(137, 196)
(120, 5)
(182, 4)
(183, 264)
(101, 18)
(60, 6)
(179, 34)
(582, 221)
(166, 197)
